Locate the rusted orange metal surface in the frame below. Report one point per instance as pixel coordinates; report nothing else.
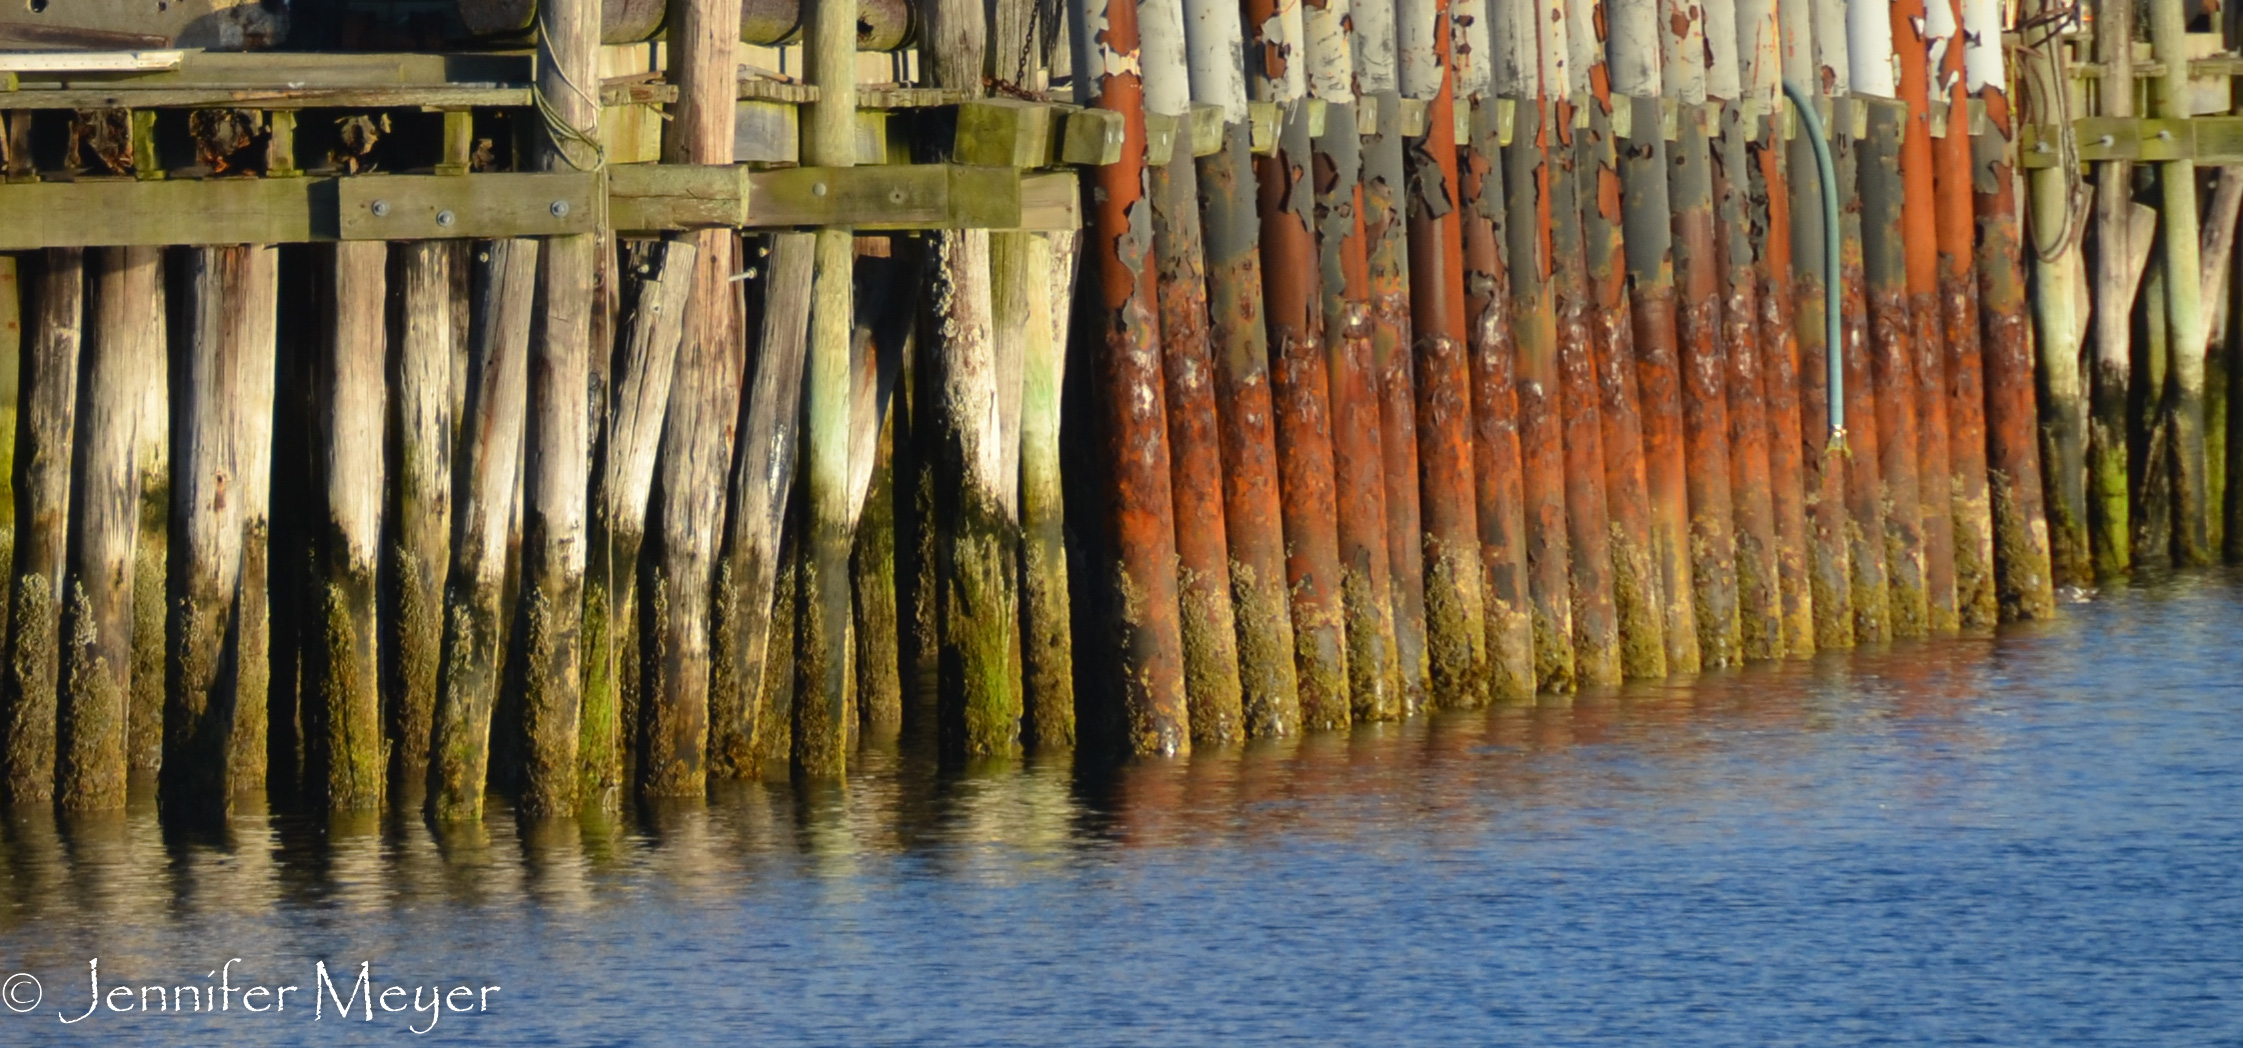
(1583, 337)
(1136, 436)
(1965, 392)
(1455, 638)
(1231, 233)
(2023, 584)
(1495, 417)
(1920, 236)
(1195, 461)
(1358, 463)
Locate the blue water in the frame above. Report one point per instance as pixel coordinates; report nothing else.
(2028, 839)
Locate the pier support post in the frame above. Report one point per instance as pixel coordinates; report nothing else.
(47, 399)
(121, 350)
(424, 430)
(491, 432)
(1133, 444)
(347, 740)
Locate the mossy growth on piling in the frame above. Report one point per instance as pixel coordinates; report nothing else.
(824, 696)
(774, 722)
(247, 756)
(144, 743)
(355, 753)
(1373, 683)
(90, 719)
(466, 692)
(1265, 655)
(733, 668)
(550, 616)
(1210, 632)
(29, 691)
(599, 745)
(872, 570)
(416, 633)
(1643, 646)
(980, 607)
(1453, 638)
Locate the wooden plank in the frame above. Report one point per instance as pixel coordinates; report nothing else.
(32, 63)
(910, 196)
(399, 207)
(122, 214)
(650, 197)
(441, 97)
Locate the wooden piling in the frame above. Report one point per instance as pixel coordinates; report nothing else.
(823, 647)
(557, 441)
(144, 738)
(762, 482)
(1759, 592)
(1864, 492)
(1958, 296)
(1375, 50)
(423, 429)
(1635, 592)
(491, 434)
(1231, 232)
(657, 282)
(2184, 305)
(2056, 300)
(348, 742)
(1358, 460)
(696, 443)
(97, 613)
(1134, 442)
(47, 397)
(2023, 587)
(1203, 577)
(976, 531)
(1649, 233)
(1581, 341)
(1039, 298)
(216, 715)
(1892, 359)
(1495, 406)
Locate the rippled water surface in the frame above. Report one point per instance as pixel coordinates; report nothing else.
(2027, 839)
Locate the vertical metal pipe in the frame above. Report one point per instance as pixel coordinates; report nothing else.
(1386, 247)
(1698, 336)
(1760, 46)
(1299, 381)
(1584, 340)
(1495, 405)
(2023, 586)
(1647, 224)
(1815, 252)
(1892, 361)
(1252, 519)
(1958, 297)
(1528, 172)
(1744, 358)
(1135, 444)
(1203, 578)
(1455, 627)
(1358, 461)
(1920, 242)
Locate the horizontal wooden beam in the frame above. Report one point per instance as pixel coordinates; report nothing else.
(627, 197)
(2204, 139)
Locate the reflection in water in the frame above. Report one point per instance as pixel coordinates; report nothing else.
(1785, 845)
